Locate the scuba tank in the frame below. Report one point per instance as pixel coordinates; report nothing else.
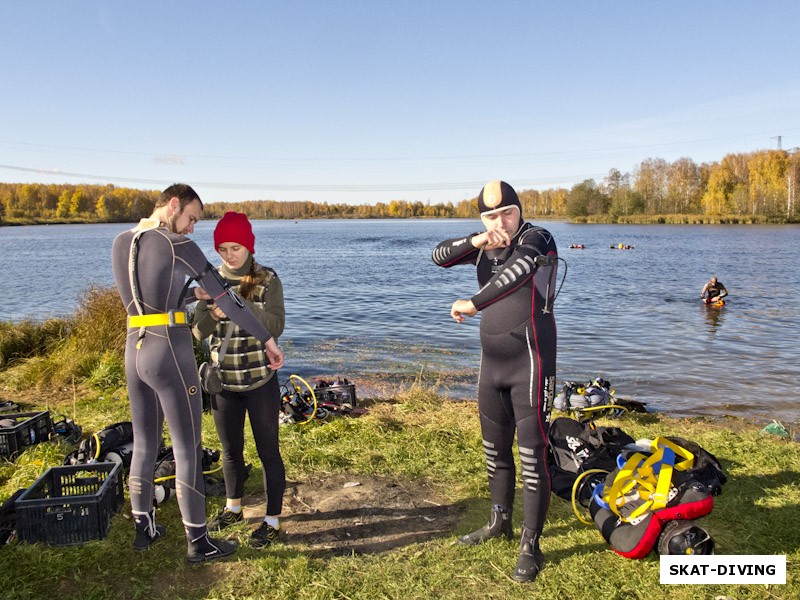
(161, 494)
(121, 455)
(106, 440)
(680, 537)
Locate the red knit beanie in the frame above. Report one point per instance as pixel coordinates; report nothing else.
(234, 227)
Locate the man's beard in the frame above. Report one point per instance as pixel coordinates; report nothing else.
(172, 222)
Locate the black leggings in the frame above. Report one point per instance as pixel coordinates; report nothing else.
(262, 405)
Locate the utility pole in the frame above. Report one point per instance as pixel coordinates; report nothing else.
(777, 137)
(791, 184)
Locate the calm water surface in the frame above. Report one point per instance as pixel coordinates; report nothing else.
(364, 300)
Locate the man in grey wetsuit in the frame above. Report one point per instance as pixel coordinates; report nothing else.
(152, 263)
(516, 264)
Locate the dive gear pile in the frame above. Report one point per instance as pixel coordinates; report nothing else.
(164, 475)
(671, 480)
(582, 453)
(650, 494)
(116, 439)
(115, 444)
(8, 406)
(593, 399)
(21, 430)
(301, 403)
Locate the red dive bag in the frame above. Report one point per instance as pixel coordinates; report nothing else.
(674, 482)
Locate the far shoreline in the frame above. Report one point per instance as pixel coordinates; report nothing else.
(587, 220)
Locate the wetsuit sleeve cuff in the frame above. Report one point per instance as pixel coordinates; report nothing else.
(477, 303)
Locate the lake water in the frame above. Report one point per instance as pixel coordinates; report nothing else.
(364, 300)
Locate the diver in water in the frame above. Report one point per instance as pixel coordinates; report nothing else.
(516, 265)
(152, 263)
(713, 291)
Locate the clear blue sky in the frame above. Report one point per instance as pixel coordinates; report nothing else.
(351, 101)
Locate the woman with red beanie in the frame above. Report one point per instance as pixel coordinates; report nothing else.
(249, 386)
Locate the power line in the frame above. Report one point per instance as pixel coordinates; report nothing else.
(286, 187)
(344, 159)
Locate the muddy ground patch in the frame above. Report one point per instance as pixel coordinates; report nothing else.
(347, 513)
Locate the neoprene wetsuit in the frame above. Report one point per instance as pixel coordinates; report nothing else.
(516, 385)
(160, 366)
(714, 290)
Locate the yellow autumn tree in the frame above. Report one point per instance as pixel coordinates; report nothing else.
(768, 188)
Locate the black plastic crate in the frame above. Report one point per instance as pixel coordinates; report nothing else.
(339, 394)
(29, 429)
(70, 505)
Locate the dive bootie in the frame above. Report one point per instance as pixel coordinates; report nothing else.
(499, 525)
(206, 548)
(147, 532)
(531, 559)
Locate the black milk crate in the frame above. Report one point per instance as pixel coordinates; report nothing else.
(337, 394)
(70, 505)
(29, 429)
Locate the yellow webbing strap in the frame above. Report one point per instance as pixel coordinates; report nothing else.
(177, 317)
(575, 488)
(644, 482)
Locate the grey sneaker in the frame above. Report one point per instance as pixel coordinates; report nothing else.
(264, 535)
(225, 519)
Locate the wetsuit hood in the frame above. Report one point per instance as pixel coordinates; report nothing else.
(497, 195)
(146, 224)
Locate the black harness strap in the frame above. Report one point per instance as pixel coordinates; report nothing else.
(134, 281)
(222, 281)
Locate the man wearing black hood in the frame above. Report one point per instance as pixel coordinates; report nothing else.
(516, 264)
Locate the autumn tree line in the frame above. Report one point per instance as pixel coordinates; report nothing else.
(749, 187)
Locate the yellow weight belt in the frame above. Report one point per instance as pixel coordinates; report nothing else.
(173, 317)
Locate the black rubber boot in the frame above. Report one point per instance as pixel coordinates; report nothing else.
(206, 548)
(147, 532)
(531, 559)
(499, 525)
